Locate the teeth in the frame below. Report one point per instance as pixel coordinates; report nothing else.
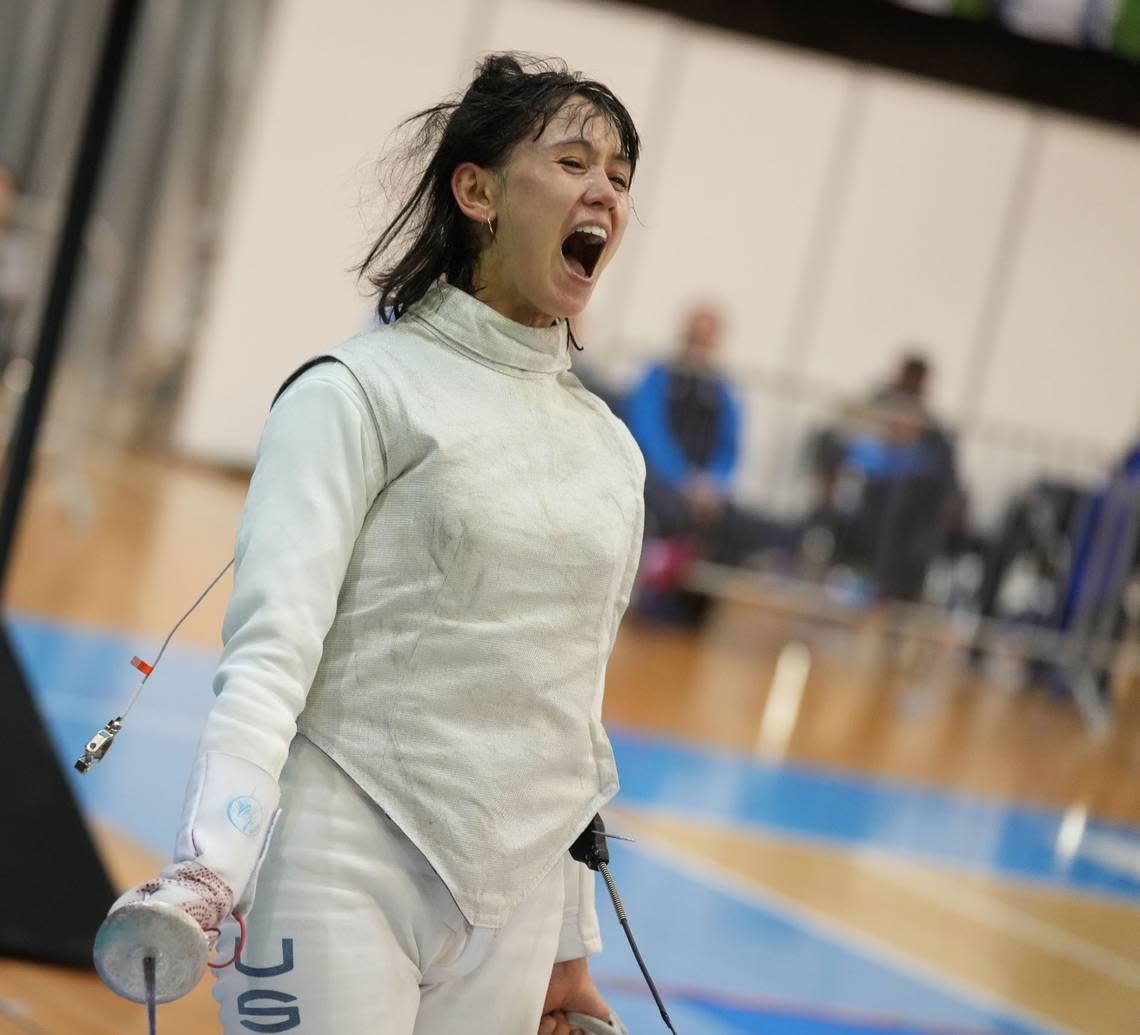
(597, 231)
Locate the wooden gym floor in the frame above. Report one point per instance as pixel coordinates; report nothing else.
(1040, 948)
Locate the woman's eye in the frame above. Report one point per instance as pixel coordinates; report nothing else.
(619, 182)
(572, 163)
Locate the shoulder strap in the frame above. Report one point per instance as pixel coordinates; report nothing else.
(316, 361)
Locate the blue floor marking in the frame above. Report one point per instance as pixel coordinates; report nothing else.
(734, 966)
(698, 937)
(81, 678)
(932, 825)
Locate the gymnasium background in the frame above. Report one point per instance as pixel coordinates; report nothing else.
(854, 814)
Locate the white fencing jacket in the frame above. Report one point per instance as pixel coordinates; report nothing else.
(440, 538)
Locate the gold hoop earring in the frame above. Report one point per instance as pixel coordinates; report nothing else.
(491, 227)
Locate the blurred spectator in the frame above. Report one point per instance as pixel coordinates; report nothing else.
(889, 497)
(687, 421)
(908, 384)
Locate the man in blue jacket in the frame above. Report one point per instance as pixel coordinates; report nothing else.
(687, 421)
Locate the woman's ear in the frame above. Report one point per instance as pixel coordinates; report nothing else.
(474, 191)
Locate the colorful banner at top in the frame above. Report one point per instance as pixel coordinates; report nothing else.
(1112, 25)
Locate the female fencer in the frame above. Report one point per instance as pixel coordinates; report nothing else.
(440, 537)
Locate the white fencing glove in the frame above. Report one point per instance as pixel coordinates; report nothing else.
(231, 807)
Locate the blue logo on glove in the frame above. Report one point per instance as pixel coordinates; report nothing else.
(244, 813)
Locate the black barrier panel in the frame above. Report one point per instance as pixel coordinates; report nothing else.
(57, 891)
(980, 54)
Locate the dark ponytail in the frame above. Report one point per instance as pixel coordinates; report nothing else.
(510, 97)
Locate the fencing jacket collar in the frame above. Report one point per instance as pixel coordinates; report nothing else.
(464, 323)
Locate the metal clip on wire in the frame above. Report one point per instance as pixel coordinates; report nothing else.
(99, 745)
(591, 849)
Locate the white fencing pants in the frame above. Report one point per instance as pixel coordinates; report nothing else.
(353, 933)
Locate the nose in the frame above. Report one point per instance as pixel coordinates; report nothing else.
(600, 189)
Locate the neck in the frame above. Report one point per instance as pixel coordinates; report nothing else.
(495, 290)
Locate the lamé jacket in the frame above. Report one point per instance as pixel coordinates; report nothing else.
(440, 538)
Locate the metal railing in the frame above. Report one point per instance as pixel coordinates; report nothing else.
(1008, 546)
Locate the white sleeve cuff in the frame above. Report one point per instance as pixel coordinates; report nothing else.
(230, 810)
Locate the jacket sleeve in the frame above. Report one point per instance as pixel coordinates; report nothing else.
(319, 468)
(647, 411)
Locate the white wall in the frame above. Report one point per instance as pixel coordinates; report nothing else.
(839, 213)
(916, 240)
(738, 178)
(338, 76)
(1067, 354)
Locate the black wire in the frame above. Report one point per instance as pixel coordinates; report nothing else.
(624, 921)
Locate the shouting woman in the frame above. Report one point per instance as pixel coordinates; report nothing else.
(439, 541)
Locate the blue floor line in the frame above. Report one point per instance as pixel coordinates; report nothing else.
(933, 825)
(709, 949)
(83, 678)
(740, 968)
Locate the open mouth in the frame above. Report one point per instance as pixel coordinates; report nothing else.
(582, 250)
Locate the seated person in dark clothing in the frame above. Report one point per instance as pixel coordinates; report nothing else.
(687, 422)
(909, 498)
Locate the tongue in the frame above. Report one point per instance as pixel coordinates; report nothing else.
(575, 265)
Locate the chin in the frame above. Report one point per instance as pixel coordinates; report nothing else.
(567, 304)
(570, 311)
(560, 297)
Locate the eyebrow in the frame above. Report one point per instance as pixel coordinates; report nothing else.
(621, 156)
